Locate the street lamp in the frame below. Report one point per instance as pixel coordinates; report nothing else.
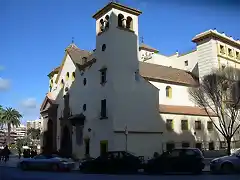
(126, 137)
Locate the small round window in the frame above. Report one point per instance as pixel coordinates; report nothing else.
(103, 47)
(84, 81)
(84, 107)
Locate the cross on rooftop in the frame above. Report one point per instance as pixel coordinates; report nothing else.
(72, 40)
(141, 39)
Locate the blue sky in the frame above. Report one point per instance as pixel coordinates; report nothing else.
(34, 34)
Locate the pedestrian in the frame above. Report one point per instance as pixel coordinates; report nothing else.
(6, 153)
(19, 153)
(32, 153)
(1, 155)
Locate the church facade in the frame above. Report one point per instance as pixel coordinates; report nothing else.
(128, 96)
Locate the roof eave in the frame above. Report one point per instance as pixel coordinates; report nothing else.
(113, 5)
(149, 49)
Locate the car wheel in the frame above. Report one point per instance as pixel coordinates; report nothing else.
(227, 168)
(24, 166)
(55, 167)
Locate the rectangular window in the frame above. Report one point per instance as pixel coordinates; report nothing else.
(103, 108)
(211, 146)
(186, 63)
(210, 125)
(230, 52)
(198, 125)
(169, 124)
(184, 125)
(103, 75)
(237, 55)
(170, 146)
(185, 144)
(222, 50)
(199, 146)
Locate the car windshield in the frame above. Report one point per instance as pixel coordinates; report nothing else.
(131, 153)
(40, 157)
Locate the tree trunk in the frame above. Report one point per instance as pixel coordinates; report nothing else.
(9, 133)
(229, 146)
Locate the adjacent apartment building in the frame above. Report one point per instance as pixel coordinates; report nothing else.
(126, 95)
(35, 124)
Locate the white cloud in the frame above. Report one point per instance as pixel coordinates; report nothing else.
(29, 103)
(4, 84)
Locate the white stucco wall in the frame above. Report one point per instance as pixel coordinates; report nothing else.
(207, 57)
(180, 95)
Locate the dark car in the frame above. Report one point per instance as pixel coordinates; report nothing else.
(177, 160)
(112, 162)
(226, 164)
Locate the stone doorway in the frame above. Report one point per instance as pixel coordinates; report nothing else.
(48, 138)
(66, 142)
(87, 146)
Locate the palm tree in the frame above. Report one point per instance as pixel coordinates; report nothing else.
(11, 117)
(1, 120)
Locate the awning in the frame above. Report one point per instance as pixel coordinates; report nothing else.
(77, 120)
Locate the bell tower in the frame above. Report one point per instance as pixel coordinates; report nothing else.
(115, 15)
(117, 44)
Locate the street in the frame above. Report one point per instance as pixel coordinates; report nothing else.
(9, 173)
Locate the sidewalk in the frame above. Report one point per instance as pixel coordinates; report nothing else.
(13, 161)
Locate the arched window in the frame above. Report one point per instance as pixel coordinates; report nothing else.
(73, 76)
(168, 92)
(129, 23)
(120, 20)
(101, 25)
(107, 21)
(84, 81)
(62, 83)
(67, 76)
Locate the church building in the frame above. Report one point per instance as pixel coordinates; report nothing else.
(128, 96)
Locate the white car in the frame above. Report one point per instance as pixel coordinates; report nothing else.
(47, 162)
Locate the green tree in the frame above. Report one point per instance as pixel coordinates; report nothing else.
(219, 93)
(11, 117)
(34, 133)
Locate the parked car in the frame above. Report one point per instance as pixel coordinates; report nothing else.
(46, 162)
(177, 160)
(112, 162)
(226, 164)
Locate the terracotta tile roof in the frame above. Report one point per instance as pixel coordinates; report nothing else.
(148, 48)
(165, 74)
(76, 54)
(48, 98)
(54, 71)
(184, 110)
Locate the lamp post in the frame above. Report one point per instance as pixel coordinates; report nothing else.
(126, 137)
